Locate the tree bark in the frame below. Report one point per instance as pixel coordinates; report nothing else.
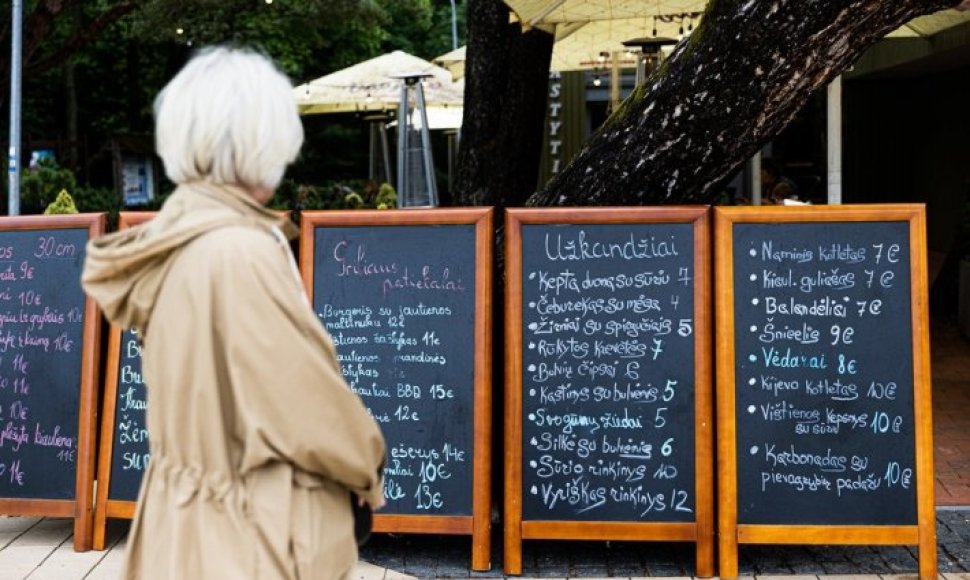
(733, 85)
(505, 99)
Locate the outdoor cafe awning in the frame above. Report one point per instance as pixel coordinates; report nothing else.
(586, 28)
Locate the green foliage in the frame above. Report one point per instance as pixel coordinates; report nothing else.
(106, 86)
(305, 37)
(40, 185)
(62, 205)
(99, 199)
(420, 27)
(353, 200)
(291, 195)
(386, 197)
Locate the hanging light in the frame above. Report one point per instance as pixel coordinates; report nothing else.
(655, 26)
(596, 80)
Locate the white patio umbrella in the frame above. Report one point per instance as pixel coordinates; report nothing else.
(454, 61)
(375, 86)
(369, 86)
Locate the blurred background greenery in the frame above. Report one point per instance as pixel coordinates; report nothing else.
(92, 69)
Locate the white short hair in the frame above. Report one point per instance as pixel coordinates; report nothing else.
(229, 116)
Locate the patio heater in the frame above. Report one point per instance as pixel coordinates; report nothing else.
(416, 185)
(649, 55)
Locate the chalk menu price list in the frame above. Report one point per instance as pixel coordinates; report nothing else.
(41, 331)
(129, 457)
(607, 372)
(824, 373)
(398, 302)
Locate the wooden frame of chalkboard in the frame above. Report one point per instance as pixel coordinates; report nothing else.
(733, 225)
(106, 506)
(81, 505)
(479, 220)
(697, 527)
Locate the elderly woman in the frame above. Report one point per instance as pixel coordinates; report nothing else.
(256, 441)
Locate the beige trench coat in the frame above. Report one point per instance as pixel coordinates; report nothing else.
(255, 438)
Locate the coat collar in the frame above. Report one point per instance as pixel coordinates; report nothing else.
(237, 199)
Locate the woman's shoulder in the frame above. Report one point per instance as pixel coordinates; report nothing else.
(235, 251)
(240, 237)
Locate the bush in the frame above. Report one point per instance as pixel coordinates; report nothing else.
(386, 197)
(64, 204)
(297, 197)
(98, 199)
(40, 185)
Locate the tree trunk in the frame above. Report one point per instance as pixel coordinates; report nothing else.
(737, 82)
(505, 95)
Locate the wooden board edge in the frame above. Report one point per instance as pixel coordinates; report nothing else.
(482, 468)
(512, 516)
(922, 396)
(609, 214)
(88, 403)
(106, 450)
(703, 399)
(393, 217)
(449, 525)
(124, 510)
(726, 428)
(619, 531)
(820, 213)
(55, 508)
(828, 535)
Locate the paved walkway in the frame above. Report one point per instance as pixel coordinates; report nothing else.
(40, 549)
(950, 368)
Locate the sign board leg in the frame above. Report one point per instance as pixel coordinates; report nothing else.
(728, 555)
(705, 556)
(481, 548)
(513, 551)
(927, 551)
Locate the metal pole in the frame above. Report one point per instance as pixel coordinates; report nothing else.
(402, 131)
(834, 140)
(388, 174)
(426, 146)
(454, 27)
(16, 60)
(615, 81)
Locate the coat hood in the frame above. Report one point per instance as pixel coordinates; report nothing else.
(124, 270)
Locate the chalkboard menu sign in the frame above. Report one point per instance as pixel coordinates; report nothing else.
(608, 415)
(123, 455)
(824, 414)
(48, 369)
(403, 295)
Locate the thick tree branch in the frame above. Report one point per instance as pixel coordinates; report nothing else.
(736, 83)
(84, 36)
